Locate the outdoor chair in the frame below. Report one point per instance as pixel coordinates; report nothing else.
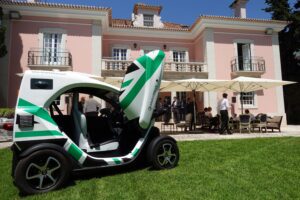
(198, 120)
(184, 125)
(214, 123)
(233, 124)
(260, 122)
(274, 123)
(167, 124)
(204, 120)
(245, 122)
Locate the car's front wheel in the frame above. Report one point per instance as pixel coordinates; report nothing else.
(42, 171)
(163, 153)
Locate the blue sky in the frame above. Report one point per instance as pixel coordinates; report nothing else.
(177, 11)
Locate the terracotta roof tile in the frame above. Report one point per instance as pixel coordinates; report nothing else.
(58, 5)
(227, 18)
(148, 28)
(180, 27)
(121, 22)
(126, 23)
(175, 26)
(53, 5)
(241, 19)
(146, 7)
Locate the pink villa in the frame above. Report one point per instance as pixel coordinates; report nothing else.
(48, 36)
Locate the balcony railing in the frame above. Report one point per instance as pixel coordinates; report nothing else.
(254, 64)
(121, 65)
(185, 66)
(49, 58)
(118, 65)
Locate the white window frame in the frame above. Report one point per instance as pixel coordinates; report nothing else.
(245, 41)
(121, 47)
(42, 31)
(148, 20)
(254, 105)
(179, 49)
(176, 66)
(53, 48)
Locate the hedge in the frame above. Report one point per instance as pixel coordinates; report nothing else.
(7, 112)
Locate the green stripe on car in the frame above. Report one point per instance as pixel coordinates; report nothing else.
(37, 133)
(75, 151)
(116, 160)
(35, 110)
(149, 71)
(135, 151)
(125, 84)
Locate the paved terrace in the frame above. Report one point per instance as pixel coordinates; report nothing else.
(286, 131)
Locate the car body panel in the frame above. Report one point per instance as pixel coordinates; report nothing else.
(140, 87)
(35, 97)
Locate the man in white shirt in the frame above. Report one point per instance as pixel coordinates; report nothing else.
(91, 107)
(224, 106)
(175, 110)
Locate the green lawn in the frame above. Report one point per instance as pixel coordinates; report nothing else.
(227, 169)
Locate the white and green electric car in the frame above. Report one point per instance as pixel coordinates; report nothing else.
(51, 140)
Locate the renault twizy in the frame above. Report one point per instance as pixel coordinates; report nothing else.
(53, 137)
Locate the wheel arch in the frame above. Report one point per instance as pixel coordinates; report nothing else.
(43, 146)
(162, 137)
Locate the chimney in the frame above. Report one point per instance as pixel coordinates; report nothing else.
(239, 7)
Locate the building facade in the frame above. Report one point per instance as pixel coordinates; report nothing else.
(47, 36)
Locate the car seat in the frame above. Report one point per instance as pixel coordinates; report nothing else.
(82, 136)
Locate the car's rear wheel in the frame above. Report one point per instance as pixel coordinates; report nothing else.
(163, 153)
(42, 171)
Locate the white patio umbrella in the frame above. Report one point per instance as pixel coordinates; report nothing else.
(194, 84)
(204, 85)
(117, 81)
(248, 84)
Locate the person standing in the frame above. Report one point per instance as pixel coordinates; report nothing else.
(167, 109)
(224, 106)
(92, 107)
(159, 108)
(190, 111)
(81, 104)
(175, 110)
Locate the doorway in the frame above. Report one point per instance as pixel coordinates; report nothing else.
(244, 56)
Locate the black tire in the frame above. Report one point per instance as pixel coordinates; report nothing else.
(14, 163)
(42, 171)
(163, 153)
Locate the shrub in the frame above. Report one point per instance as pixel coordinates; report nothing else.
(7, 112)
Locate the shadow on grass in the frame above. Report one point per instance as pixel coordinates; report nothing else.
(98, 173)
(108, 171)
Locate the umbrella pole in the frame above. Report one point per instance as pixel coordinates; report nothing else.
(208, 98)
(241, 99)
(194, 93)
